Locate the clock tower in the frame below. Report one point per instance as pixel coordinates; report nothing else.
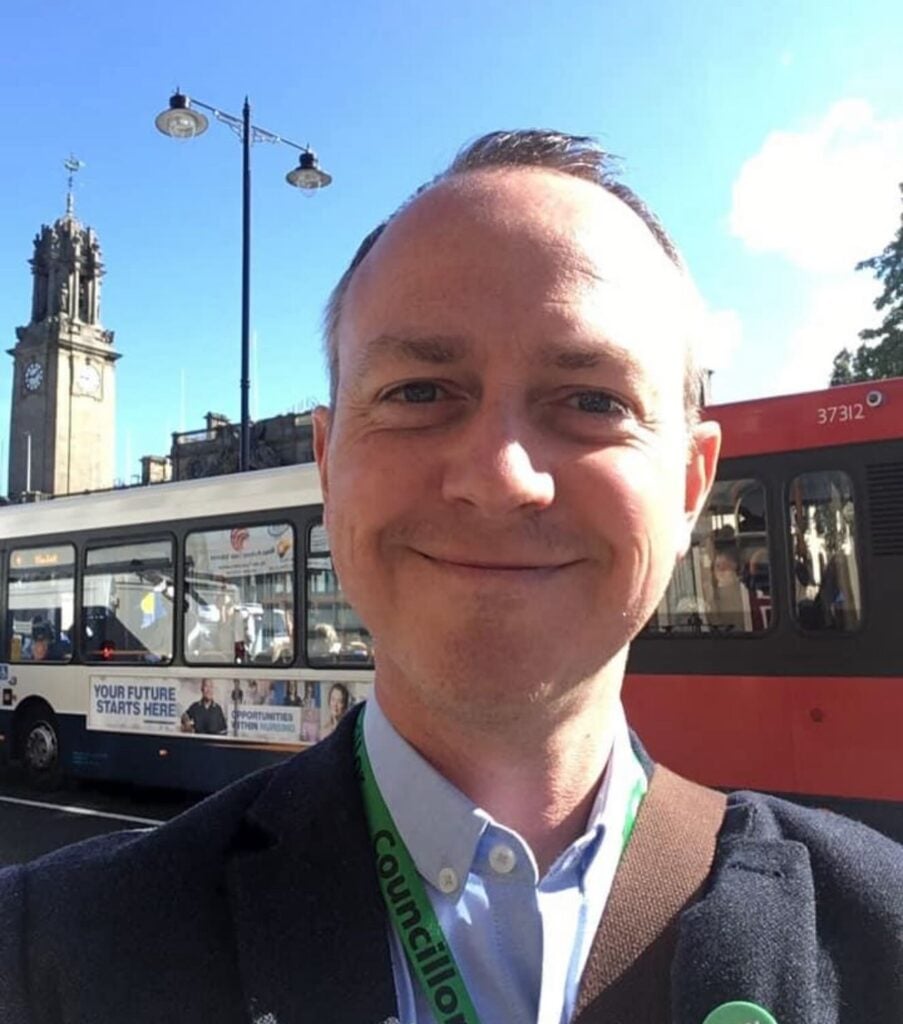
(62, 421)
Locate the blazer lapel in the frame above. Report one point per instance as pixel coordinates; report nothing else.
(677, 941)
(752, 938)
(310, 927)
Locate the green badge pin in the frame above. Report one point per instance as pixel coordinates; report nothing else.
(739, 1013)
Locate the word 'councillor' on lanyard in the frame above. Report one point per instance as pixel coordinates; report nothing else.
(408, 905)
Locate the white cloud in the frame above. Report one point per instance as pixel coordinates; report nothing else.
(823, 198)
(837, 311)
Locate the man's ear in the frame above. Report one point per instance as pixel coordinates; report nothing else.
(322, 421)
(702, 461)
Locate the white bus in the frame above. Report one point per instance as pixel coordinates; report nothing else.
(177, 634)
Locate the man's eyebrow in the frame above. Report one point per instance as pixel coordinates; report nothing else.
(585, 356)
(434, 350)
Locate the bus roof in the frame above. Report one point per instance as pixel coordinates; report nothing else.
(851, 414)
(234, 494)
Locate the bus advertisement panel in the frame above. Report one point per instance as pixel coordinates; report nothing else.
(249, 710)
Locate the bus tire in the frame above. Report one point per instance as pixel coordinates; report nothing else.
(39, 748)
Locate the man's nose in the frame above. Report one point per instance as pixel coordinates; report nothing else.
(495, 465)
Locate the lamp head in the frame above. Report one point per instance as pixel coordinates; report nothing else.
(307, 174)
(179, 121)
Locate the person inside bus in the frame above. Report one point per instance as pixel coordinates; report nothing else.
(729, 600)
(837, 595)
(511, 464)
(46, 644)
(205, 716)
(323, 642)
(232, 636)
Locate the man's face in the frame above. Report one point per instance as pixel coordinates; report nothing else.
(726, 571)
(207, 689)
(39, 648)
(506, 470)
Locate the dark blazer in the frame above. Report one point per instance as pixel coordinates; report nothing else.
(261, 905)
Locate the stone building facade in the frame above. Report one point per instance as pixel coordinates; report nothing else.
(276, 441)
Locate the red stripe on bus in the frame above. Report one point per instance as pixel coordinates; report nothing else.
(823, 736)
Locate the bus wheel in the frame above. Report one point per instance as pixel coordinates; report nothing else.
(40, 749)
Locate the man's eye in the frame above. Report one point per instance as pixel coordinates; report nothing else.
(415, 391)
(599, 402)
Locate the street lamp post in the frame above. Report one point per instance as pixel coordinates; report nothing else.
(182, 120)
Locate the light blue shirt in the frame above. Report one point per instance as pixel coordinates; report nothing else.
(520, 941)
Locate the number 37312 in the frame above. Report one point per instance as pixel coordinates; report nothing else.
(840, 413)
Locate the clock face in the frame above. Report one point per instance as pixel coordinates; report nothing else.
(88, 380)
(34, 376)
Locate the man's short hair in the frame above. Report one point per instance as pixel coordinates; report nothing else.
(42, 630)
(577, 155)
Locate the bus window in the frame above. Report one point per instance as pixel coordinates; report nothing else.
(239, 599)
(335, 635)
(723, 585)
(127, 603)
(823, 542)
(40, 600)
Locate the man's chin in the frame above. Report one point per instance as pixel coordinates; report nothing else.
(493, 667)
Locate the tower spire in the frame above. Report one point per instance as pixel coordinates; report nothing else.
(73, 165)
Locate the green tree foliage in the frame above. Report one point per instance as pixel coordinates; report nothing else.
(884, 357)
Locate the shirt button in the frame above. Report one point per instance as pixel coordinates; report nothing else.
(448, 880)
(502, 859)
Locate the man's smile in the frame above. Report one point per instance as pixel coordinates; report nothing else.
(505, 568)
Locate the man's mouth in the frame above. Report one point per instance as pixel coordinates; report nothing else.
(502, 566)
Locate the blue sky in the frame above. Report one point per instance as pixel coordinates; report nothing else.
(768, 137)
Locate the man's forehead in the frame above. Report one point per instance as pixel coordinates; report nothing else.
(526, 217)
(529, 254)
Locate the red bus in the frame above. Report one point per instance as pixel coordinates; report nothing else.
(775, 661)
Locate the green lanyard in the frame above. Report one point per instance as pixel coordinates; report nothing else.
(633, 805)
(409, 907)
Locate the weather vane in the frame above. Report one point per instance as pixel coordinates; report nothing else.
(73, 165)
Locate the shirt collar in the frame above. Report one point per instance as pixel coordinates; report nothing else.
(438, 823)
(441, 827)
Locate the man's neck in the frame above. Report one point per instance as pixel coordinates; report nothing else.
(538, 773)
